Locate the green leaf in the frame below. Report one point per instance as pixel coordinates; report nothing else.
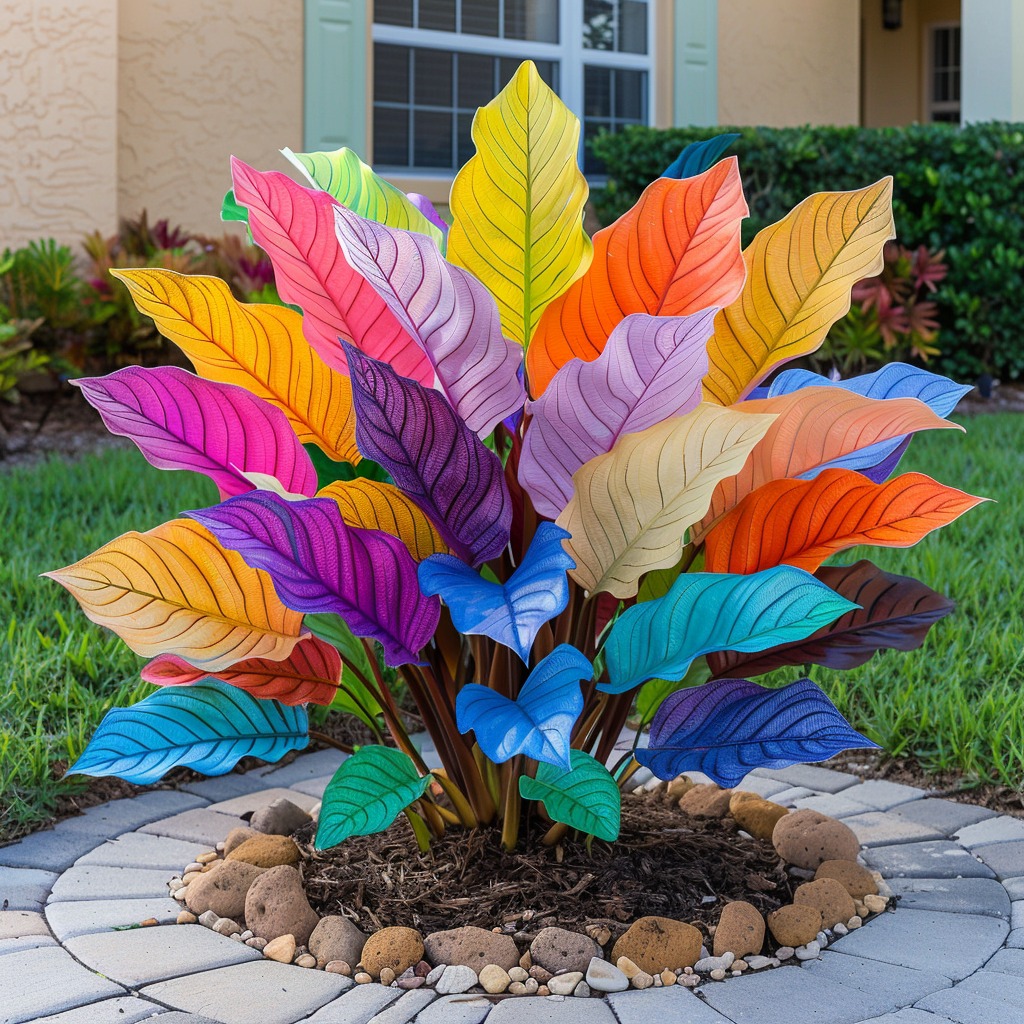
(654, 691)
(366, 794)
(328, 471)
(585, 798)
(332, 628)
(231, 210)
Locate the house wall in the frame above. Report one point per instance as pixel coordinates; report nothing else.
(788, 62)
(58, 119)
(200, 81)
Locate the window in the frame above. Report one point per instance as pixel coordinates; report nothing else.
(436, 61)
(943, 86)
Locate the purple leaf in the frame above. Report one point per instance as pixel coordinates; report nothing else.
(180, 421)
(650, 370)
(318, 564)
(729, 727)
(446, 311)
(433, 456)
(426, 207)
(881, 471)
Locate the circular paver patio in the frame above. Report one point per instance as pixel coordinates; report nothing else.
(954, 952)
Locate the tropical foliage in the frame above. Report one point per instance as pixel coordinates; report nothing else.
(536, 477)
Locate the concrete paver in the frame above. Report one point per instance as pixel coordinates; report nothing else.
(880, 795)
(572, 1011)
(141, 850)
(909, 1015)
(762, 786)
(835, 805)
(903, 985)
(361, 1004)
(678, 1005)
(465, 1009)
(1007, 961)
(127, 815)
(98, 881)
(948, 816)
(964, 1007)
(302, 769)
(993, 830)
(69, 918)
(877, 828)
(124, 1010)
(405, 1008)
(823, 780)
(28, 942)
(953, 895)
(201, 825)
(248, 802)
(15, 924)
(51, 850)
(941, 858)
(1005, 859)
(24, 888)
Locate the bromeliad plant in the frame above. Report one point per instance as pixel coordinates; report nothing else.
(645, 530)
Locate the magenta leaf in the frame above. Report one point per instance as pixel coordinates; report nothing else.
(446, 311)
(295, 226)
(650, 370)
(318, 564)
(433, 456)
(180, 421)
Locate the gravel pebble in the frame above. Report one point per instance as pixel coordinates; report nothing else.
(362, 978)
(784, 952)
(208, 918)
(531, 985)
(387, 975)
(582, 991)
(496, 979)
(565, 984)
(410, 983)
(518, 974)
(718, 974)
(339, 967)
(435, 974)
(641, 980)
(306, 960)
(811, 951)
(714, 963)
(756, 963)
(517, 988)
(854, 922)
(187, 917)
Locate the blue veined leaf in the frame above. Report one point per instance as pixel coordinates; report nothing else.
(729, 727)
(586, 797)
(697, 157)
(706, 612)
(511, 614)
(651, 695)
(367, 793)
(539, 722)
(208, 727)
(895, 380)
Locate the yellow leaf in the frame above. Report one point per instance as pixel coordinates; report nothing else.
(799, 275)
(518, 203)
(354, 184)
(379, 506)
(175, 590)
(633, 505)
(257, 346)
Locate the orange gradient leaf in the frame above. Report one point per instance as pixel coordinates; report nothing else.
(676, 252)
(803, 522)
(175, 590)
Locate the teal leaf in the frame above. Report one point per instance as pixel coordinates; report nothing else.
(585, 798)
(697, 157)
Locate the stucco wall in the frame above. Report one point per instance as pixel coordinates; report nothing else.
(200, 81)
(788, 62)
(58, 122)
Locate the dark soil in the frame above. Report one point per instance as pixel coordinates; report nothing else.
(664, 863)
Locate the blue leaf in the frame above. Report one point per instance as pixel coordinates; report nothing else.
(697, 157)
(896, 380)
(208, 727)
(511, 614)
(729, 727)
(704, 612)
(539, 723)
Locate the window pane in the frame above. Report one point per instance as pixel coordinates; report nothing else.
(630, 87)
(437, 14)
(390, 137)
(599, 24)
(393, 12)
(536, 20)
(632, 26)
(476, 80)
(465, 141)
(480, 17)
(391, 73)
(597, 92)
(433, 78)
(548, 71)
(591, 165)
(432, 143)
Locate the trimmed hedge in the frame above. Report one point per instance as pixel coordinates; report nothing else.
(957, 189)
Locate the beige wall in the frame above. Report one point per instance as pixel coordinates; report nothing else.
(201, 80)
(58, 122)
(788, 62)
(895, 61)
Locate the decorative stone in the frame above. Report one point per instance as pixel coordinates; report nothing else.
(668, 977)
(854, 878)
(517, 988)
(654, 943)
(266, 851)
(191, 876)
(783, 952)
(206, 858)
(757, 963)
(627, 966)
(225, 926)
(542, 975)
(758, 817)
(518, 974)
(740, 930)
(641, 980)
(276, 905)
(741, 796)
(565, 984)
(605, 977)
(582, 991)
(208, 918)
(362, 978)
(338, 967)
(471, 947)
(559, 950)
(187, 917)
(336, 938)
(195, 866)
(495, 979)
(810, 951)
(410, 983)
(678, 788)
(600, 933)
(223, 889)
(829, 897)
(808, 839)
(281, 949)
(236, 837)
(543, 990)
(875, 904)
(532, 985)
(386, 975)
(706, 964)
(281, 818)
(854, 922)
(305, 960)
(794, 925)
(395, 947)
(526, 961)
(706, 801)
(718, 974)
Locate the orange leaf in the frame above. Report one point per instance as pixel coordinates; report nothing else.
(676, 252)
(803, 522)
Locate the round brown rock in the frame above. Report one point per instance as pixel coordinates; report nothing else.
(222, 889)
(654, 943)
(266, 851)
(706, 801)
(794, 925)
(396, 947)
(740, 930)
(236, 837)
(559, 950)
(336, 938)
(758, 817)
(829, 897)
(280, 818)
(807, 839)
(470, 947)
(854, 878)
(276, 905)
(678, 787)
(740, 796)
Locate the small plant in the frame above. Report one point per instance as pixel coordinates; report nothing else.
(17, 356)
(521, 470)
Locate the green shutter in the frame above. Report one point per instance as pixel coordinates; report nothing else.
(336, 75)
(696, 62)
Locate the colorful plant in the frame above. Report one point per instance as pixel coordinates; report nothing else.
(528, 567)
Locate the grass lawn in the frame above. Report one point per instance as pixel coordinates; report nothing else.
(958, 703)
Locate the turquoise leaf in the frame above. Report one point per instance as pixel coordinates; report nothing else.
(586, 797)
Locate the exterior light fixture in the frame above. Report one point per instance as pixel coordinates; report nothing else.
(892, 14)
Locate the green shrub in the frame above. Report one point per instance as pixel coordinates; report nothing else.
(956, 189)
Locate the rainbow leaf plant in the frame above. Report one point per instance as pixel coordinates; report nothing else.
(534, 476)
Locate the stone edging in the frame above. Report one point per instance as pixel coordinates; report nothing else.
(954, 951)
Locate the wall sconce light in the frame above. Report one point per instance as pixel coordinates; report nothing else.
(892, 14)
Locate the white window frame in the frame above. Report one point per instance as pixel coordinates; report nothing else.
(569, 53)
(931, 105)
